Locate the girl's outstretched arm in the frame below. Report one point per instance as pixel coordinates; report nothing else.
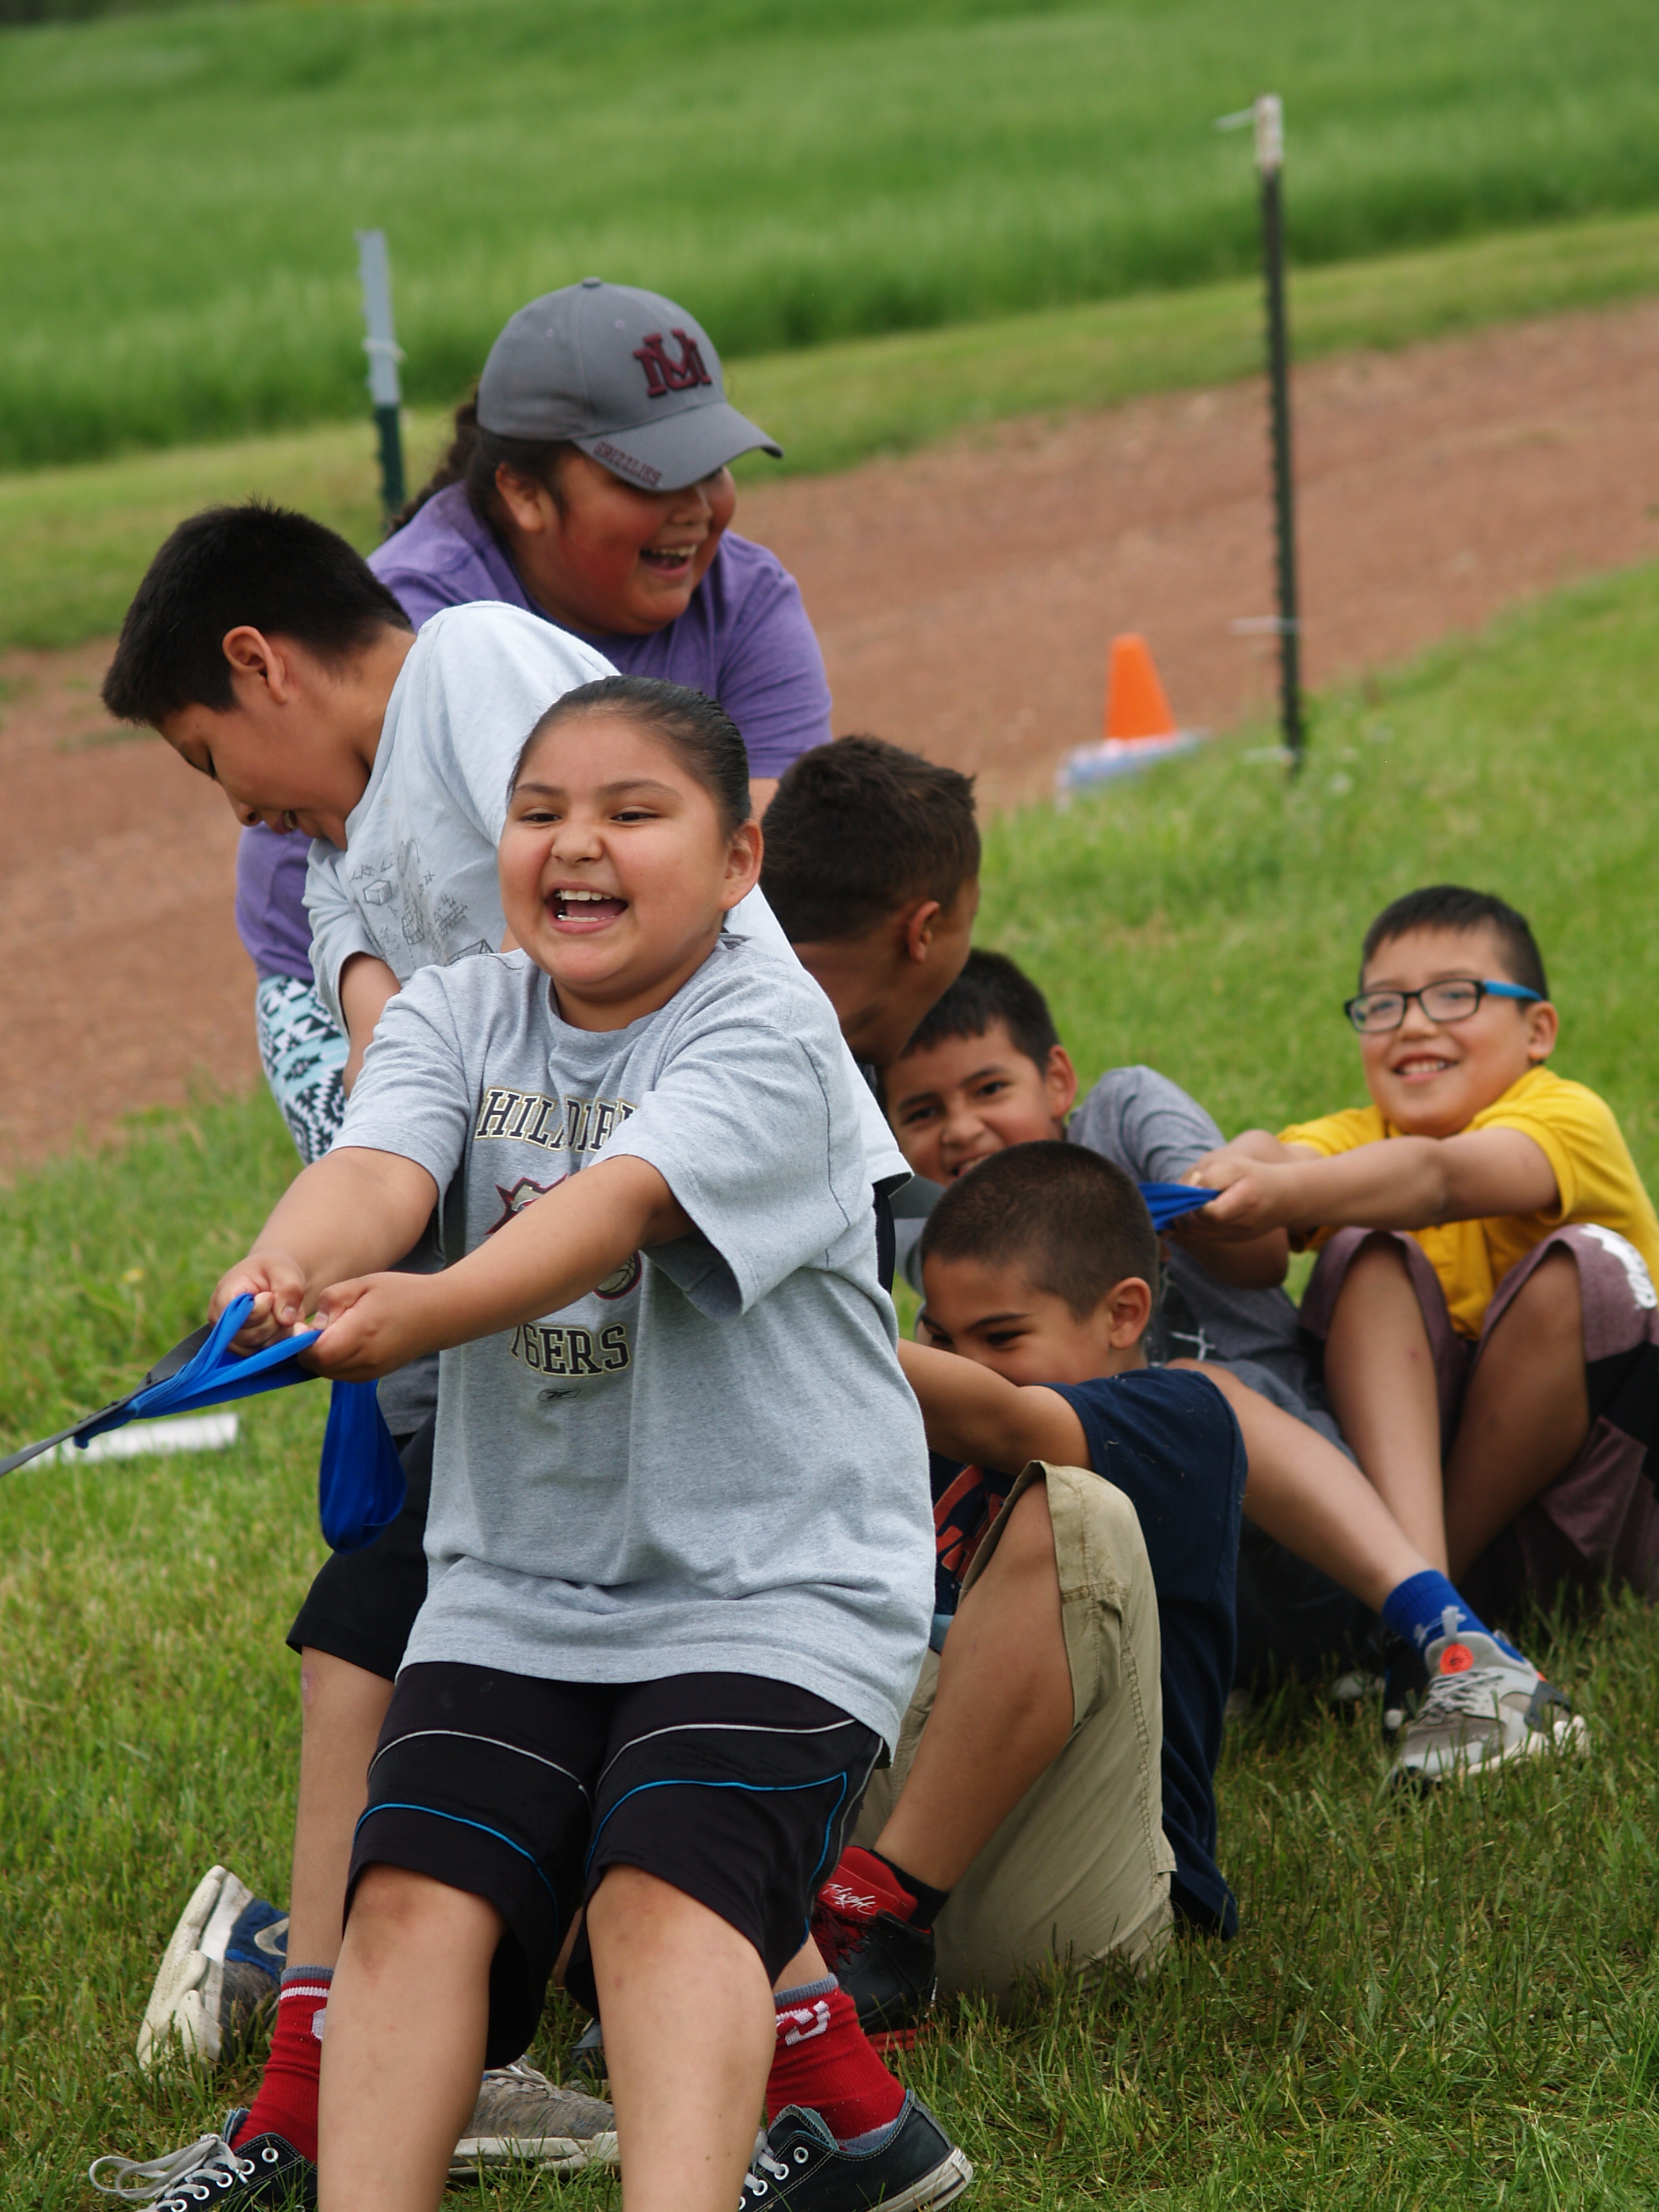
(352, 1210)
(556, 1250)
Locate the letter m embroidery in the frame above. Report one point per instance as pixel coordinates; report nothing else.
(663, 376)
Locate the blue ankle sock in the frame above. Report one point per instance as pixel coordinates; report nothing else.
(1416, 1609)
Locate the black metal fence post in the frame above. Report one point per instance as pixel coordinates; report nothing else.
(1270, 163)
(384, 354)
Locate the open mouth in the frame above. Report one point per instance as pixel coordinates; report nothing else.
(580, 910)
(1421, 1066)
(668, 560)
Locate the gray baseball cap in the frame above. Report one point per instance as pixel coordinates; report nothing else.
(626, 375)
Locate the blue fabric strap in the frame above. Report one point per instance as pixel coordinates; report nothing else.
(1168, 1201)
(360, 1481)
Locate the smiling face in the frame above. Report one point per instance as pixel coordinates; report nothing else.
(994, 1315)
(957, 1101)
(606, 557)
(1431, 1079)
(616, 871)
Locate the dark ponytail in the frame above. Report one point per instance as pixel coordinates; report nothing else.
(474, 456)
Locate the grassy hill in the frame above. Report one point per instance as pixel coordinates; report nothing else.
(1443, 2004)
(181, 188)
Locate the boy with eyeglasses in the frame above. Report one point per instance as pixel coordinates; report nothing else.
(1484, 1295)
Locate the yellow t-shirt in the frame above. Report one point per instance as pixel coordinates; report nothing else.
(1596, 1180)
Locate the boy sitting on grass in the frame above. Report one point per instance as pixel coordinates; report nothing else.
(1484, 1295)
(1051, 1799)
(1317, 1558)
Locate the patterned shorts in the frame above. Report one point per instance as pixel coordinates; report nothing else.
(1596, 1525)
(303, 1055)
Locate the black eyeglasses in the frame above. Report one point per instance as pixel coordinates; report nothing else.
(1374, 1013)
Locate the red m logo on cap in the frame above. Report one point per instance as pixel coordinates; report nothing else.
(663, 376)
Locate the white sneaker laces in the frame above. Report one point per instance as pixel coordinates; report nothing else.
(210, 2160)
(777, 2167)
(1475, 1695)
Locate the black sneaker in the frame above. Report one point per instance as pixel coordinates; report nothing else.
(889, 1971)
(804, 2169)
(267, 2171)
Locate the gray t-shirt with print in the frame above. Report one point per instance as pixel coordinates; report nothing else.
(712, 1462)
(1147, 1126)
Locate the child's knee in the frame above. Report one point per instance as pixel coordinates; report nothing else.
(1381, 1259)
(1553, 1284)
(394, 1907)
(1026, 1545)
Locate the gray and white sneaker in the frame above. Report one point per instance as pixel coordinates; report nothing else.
(1482, 1709)
(222, 1969)
(523, 2118)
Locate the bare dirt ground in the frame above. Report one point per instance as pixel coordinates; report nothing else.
(965, 596)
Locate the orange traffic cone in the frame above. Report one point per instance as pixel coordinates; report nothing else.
(1137, 706)
(1139, 727)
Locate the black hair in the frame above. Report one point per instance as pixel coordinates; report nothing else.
(1073, 1220)
(472, 459)
(857, 828)
(1450, 906)
(990, 989)
(697, 729)
(267, 566)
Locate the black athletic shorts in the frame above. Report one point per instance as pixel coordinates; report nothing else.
(736, 1790)
(363, 1604)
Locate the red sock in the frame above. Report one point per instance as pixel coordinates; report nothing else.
(861, 1887)
(286, 2102)
(826, 2061)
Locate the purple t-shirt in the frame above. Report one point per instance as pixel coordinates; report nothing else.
(745, 640)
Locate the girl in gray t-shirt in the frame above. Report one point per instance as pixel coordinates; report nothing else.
(680, 1540)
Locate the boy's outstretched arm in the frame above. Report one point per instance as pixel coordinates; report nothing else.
(972, 1414)
(555, 1251)
(1398, 1182)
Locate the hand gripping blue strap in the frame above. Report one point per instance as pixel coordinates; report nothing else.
(1168, 1201)
(359, 1482)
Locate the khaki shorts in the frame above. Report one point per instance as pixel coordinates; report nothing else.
(1078, 1873)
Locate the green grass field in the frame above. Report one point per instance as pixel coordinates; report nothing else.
(74, 540)
(1452, 2004)
(181, 186)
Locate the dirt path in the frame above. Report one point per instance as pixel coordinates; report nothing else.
(965, 597)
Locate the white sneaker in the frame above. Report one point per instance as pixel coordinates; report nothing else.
(1482, 1710)
(222, 1967)
(522, 2118)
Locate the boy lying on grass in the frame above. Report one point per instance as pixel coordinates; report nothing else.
(1485, 1292)
(986, 1071)
(654, 1671)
